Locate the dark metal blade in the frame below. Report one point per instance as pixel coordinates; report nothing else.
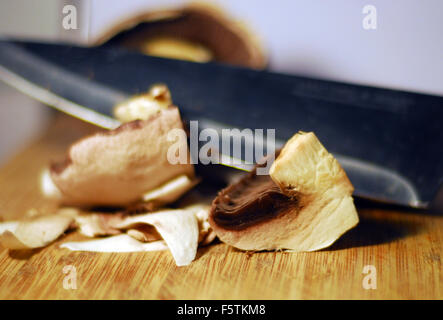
(389, 142)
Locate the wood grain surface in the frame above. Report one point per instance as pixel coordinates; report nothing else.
(404, 246)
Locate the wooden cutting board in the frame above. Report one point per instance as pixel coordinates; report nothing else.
(404, 247)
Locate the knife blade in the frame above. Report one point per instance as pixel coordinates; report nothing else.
(389, 142)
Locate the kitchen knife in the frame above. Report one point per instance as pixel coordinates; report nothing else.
(389, 142)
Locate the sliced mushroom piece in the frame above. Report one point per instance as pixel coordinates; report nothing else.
(143, 106)
(178, 227)
(118, 243)
(305, 204)
(116, 168)
(37, 232)
(143, 222)
(181, 229)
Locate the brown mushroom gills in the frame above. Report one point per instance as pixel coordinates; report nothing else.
(252, 200)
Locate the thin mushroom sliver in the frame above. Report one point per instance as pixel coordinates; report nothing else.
(35, 233)
(179, 228)
(118, 243)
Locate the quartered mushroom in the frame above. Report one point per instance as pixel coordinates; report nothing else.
(304, 204)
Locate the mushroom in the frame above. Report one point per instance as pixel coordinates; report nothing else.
(304, 204)
(196, 32)
(143, 106)
(179, 230)
(36, 232)
(118, 167)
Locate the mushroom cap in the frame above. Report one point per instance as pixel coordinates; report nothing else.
(195, 31)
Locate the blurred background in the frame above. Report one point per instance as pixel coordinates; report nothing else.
(321, 39)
